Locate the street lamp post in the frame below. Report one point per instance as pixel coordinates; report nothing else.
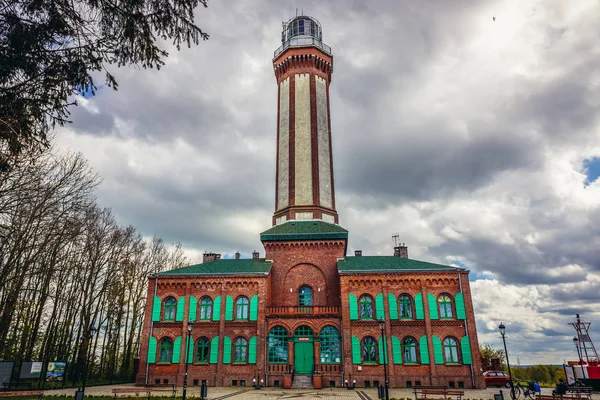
(512, 387)
(186, 356)
(384, 352)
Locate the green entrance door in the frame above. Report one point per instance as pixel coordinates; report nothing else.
(304, 357)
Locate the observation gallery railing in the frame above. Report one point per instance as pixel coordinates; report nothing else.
(303, 310)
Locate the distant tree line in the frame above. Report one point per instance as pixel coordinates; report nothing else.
(72, 280)
(546, 375)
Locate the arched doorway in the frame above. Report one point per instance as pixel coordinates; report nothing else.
(304, 350)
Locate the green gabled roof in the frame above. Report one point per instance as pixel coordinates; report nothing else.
(243, 266)
(304, 230)
(387, 263)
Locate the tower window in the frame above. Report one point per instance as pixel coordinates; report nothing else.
(305, 296)
(278, 345)
(329, 341)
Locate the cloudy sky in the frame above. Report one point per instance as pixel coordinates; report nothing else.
(477, 140)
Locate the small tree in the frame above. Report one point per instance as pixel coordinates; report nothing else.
(488, 352)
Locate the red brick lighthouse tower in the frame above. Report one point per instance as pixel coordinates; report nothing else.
(303, 67)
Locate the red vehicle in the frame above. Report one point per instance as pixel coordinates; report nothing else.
(496, 378)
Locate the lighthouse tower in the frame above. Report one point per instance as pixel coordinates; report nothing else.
(304, 182)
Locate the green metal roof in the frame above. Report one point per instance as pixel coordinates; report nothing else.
(243, 266)
(387, 263)
(304, 230)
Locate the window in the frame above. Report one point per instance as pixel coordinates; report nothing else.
(445, 303)
(329, 341)
(241, 308)
(203, 351)
(369, 350)
(366, 307)
(405, 304)
(170, 306)
(277, 343)
(305, 296)
(166, 350)
(240, 347)
(303, 330)
(451, 351)
(206, 309)
(409, 350)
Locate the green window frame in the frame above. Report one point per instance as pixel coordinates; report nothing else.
(202, 350)
(369, 350)
(445, 306)
(366, 307)
(305, 296)
(450, 350)
(170, 309)
(405, 306)
(304, 330)
(409, 350)
(166, 350)
(241, 308)
(240, 347)
(277, 345)
(206, 306)
(330, 345)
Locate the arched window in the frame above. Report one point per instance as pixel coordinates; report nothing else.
(450, 350)
(405, 303)
(278, 345)
(305, 296)
(409, 350)
(241, 308)
(366, 307)
(445, 303)
(202, 352)
(166, 350)
(206, 309)
(240, 348)
(329, 341)
(170, 306)
(303, 330)
(369, 350)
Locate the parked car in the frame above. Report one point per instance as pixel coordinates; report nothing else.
(496, 378)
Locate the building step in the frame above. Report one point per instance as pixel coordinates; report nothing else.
(302, 382)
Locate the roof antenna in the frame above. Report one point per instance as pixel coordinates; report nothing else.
(296, 11)
(395, 237)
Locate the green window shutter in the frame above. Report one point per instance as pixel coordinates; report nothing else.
(228, 308)
(393, 306)
(217, 309)
(190, 350)
(459, 301)
(152, 349)
(438, 355)
(226, 350)
(254, 308)
(176, 350)
(156, 309)
(355, 348)
(396, 350)
(433, 310)
(353, 309)
(193, 309)
(419, 306)
(424, 350)
(379, 310)
(465, 347)
(252, 351)
(214, 350)
(180, 309)
(382, 346)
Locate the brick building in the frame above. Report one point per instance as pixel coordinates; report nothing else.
(306, 313)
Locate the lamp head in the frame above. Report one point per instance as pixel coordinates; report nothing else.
(575, 340)
(189, 326)
(502, 328)
(381, 323)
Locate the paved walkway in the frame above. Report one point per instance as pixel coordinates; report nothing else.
(239, 393)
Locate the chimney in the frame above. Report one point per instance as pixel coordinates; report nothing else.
(237, 255)
(255, 255)
(208, 257)
(401, 251)
(357, 253)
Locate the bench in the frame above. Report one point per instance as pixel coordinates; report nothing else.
(148, 390)
(23, 393)
(25, 385)
(580, 390)
(557, 397)
(438, 393)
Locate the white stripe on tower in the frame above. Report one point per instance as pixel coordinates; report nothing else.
(325, 196)
(283, 179)
(302, 145)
